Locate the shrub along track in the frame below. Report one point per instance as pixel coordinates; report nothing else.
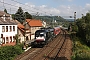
(26, 54)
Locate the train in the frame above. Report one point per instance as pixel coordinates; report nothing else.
(44, 35)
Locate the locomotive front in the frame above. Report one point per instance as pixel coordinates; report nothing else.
(40, 36)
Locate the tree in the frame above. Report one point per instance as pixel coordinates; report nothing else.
(19, 15)
(17, 39)
(13, 16)
(84, 27)
(28, 16)
(5, 10)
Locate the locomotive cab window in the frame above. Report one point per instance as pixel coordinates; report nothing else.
(41, 34)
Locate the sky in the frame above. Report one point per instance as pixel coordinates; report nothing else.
(62, 8)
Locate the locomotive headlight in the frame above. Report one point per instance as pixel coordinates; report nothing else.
(44, 39)
(36, 37)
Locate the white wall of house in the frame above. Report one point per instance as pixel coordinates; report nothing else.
(32, 37)
(11, 32)
(21, 39)
(33, 29)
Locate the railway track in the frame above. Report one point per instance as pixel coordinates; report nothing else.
(51, 51)
(44, 50)
(66, 51)
(48, 49)
(32, 52)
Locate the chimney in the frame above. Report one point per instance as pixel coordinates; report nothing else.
(4, 17)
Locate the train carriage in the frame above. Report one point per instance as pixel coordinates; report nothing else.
(57, 30)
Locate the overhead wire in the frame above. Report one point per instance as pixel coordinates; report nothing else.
(14, 6)
(32, 7)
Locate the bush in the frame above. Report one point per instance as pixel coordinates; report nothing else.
(81, 51)
(9, 52)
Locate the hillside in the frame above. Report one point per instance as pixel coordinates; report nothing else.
(50, 18)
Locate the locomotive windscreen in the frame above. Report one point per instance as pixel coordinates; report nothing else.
(39, 33)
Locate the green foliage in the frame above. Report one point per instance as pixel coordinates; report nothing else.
(13, 16)
(9, 52)
(87, 18)
(88, 33)
(84, 28)
(74, 28)
(50, 18)
(80, 50)
(28, 16)
(81, 55)
(17, 39)
(19, 15)
(5, 10)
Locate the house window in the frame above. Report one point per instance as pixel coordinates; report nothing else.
(13, 38)
(6, 28)
(10, 28)
(1, 35)
(10, 38)
(3, 28)
(3, 40)
(6, 39)
(13, 28)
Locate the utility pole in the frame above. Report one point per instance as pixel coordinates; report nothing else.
(74, 16)
(82, 16)
(53, 22)
(25, 29)
(25, 34)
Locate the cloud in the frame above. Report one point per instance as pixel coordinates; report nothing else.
(43, 6)
(87, 5)
(62, 10)
(70, 0)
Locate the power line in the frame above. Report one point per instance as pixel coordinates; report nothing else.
(14, 6)
(28, 6)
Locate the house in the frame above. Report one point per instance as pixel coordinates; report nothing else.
(44, 23)
(23, 34)
(33, 25)
(8, 29)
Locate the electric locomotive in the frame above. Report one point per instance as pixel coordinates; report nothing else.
(42, 36)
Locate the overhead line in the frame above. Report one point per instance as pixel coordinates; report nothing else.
(28, 6)
(25, 8)
(14, 5)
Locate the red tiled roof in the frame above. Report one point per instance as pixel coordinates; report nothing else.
(33, 22)
(20, 26)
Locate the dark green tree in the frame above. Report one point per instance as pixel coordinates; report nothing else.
(84, 27)
(5, 10)
(27, 15)
(13, 16)
(19, 15)
(87, 21)
(81, 28)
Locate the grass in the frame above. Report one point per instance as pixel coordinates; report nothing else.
(80, 50)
